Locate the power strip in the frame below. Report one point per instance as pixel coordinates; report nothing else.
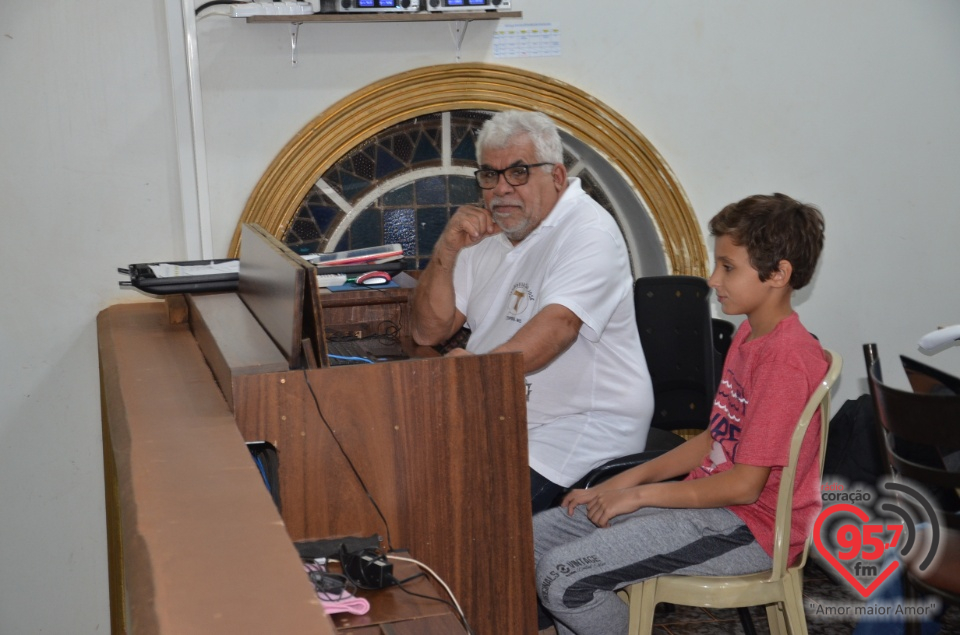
(249, 9)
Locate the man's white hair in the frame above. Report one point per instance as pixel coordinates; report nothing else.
(504, 127)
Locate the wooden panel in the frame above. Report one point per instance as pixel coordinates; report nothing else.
(232, 341)
(203, 550)
(271, 284)
(370, 307)
(440, 445)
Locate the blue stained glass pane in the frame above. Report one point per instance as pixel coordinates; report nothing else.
(465, 150)
(432, 191)
(430, 224)
(426, 151)
(464, 191)
(351, 187)
(323, 216)
(400, 196)
(367, 229)
(400, 226)
(387, 164)
(344, 243)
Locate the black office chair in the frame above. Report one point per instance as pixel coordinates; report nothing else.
(676, 330)
(723, 331)
(907, 420)
(684, 356)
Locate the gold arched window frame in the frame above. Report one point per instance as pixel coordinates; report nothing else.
(335, 132)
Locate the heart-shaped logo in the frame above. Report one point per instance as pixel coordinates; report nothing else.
(852, 529)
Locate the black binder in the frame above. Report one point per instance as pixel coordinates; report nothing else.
(143, 278)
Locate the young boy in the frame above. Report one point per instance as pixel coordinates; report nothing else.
(719, 520)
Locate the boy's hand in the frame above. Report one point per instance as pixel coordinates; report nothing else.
(608, 504)
(577, 497)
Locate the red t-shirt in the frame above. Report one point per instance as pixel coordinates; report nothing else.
(765, 385)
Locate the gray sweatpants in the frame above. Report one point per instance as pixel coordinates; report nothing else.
(580, 566)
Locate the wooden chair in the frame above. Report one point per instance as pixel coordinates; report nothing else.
(908, 421)
(779, 588)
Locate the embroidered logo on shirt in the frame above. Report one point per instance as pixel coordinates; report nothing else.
(520, 299)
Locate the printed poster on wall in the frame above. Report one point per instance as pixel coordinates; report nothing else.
(538, 39)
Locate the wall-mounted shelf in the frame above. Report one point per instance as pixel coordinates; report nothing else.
(462, 19)
(452, 16)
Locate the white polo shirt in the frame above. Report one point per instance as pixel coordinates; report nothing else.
(595, 401)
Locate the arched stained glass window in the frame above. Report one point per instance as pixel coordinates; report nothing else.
(402, 185)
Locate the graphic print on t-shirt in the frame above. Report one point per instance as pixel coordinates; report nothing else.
(521, 298)
(730, 408)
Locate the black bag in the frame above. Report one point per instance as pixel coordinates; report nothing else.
(853, 445)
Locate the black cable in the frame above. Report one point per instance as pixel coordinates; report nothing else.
(453, 606)
(366, 491)
(212, 3)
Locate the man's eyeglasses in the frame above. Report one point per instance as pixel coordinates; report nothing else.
(487, 178)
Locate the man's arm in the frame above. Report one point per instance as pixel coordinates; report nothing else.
(544, 338)
(434, 315)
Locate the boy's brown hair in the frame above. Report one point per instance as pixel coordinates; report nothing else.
(774, 228)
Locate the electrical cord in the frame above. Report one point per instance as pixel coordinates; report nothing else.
(350, 358)
(373, 558)
(213, 3)
(453, 600)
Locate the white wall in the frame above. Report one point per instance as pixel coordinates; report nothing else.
(851, 106)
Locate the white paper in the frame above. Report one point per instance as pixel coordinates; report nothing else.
(166, 270)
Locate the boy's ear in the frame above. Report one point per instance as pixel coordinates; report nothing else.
(781, 276)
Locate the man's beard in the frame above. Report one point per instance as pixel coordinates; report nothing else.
(523, 223)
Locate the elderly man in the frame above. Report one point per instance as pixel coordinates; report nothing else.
(542, 269)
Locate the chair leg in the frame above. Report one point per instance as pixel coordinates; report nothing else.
(793, 604)
(643, 604)
(775, 619)
(746, 620)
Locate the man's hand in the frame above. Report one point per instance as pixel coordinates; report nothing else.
(434, 315)
(458, 352)
(468, 226)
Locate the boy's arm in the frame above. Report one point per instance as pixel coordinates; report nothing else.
(740, 485)
(677, 462)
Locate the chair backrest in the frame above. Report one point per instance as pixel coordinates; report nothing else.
(723, 331)
(674, 322)
(819, 401)
(931, 420)
(929, 380)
